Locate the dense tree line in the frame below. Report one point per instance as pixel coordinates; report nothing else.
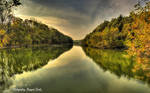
(138, 39)
(115, 33)
(30, 32)
(109, 34)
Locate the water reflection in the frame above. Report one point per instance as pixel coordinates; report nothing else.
(16, 61)
(119, 63)
(74, 72)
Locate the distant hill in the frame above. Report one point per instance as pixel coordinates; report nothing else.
(109, 34)
(30, 32)
(77, 42)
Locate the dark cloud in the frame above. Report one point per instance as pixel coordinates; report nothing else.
(81, 6)
(81, 16)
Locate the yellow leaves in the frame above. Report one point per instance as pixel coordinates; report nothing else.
(139, 38)
(2, 32)
(3, 38)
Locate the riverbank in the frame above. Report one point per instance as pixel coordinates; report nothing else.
(104, 48)
(38, 45)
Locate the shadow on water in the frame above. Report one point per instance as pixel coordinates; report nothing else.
(118, 63)
(19, 60)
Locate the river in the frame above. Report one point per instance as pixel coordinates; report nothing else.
(70, 70)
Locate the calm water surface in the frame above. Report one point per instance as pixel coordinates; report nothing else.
(70, 70)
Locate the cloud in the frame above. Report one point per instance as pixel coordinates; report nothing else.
(74, 17)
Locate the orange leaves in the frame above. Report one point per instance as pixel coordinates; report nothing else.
(139, 37)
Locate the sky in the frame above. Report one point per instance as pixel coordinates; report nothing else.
(75, 18)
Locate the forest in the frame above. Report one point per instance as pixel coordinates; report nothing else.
(121, 30)
(125, 32)
(30, 32)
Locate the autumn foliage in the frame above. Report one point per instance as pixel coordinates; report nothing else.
(131, 33)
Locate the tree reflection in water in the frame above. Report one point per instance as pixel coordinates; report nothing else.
(16, 61)
(119, 63)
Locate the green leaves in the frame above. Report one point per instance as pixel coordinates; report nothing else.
(16, 2)
(31, 32)
(108, 34)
